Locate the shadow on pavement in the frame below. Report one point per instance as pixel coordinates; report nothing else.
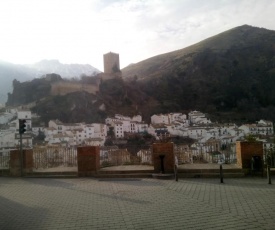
(133, 181)
(71, 186)
(14, 215)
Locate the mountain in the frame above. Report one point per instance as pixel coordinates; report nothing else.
(9, 72)
(64, 70)
(243, 38)
(230, 76)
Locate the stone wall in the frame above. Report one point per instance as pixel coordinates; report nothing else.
(63, 88)
(109, 76)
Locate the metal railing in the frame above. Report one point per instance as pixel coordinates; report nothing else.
(51, 157)
(269, 153)
(204, 154)
(125, 155)
(4, 159)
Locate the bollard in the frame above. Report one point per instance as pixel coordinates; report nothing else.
(268, 174)
(176, 168)
(221, 173)
(176, 173)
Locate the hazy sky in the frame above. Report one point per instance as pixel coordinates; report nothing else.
(81, 31)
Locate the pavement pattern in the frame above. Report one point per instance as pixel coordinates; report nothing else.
(87, 203)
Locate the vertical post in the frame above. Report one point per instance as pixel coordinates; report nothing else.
(176, 168)
(268, 174)
(176, 173)
(21, 156)
(221, 173)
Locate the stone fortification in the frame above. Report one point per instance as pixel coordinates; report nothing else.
(106, 76)
(63, 88)
(111, 63)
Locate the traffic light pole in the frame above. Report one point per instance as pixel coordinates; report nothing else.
(22, 129)
(21, 155)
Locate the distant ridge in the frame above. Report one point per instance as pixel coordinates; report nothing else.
(9, 72)
(239, 37)
(64, 70)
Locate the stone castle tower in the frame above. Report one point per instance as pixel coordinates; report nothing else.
(111, 63)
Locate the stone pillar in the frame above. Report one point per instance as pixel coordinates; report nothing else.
(165, 151)
(88, 160)
(15, 163)
(246, 150)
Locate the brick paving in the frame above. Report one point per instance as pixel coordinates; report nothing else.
(87, 203)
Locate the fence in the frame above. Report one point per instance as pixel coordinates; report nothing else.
(125, 155)
(51, 157)
(204, 153)
(269, 153)
(4, 159)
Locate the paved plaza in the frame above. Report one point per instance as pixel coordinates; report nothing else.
(87, 203)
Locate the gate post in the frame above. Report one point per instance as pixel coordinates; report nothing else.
(15, 162)
(163, 157)
(88, 160)
(246, 152)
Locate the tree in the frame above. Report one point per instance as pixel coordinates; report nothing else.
(111, 132)
(250, 138)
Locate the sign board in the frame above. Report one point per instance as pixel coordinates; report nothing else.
(24, 136)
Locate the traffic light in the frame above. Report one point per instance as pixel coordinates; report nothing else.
(22, 126)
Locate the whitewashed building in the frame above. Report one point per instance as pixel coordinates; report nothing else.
(196, 117)
(262, 127)
(7, 139)
(168, 118)
(124, 124)
(6, 117)
(118, 129)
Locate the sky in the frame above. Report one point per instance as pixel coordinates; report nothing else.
(81, 31)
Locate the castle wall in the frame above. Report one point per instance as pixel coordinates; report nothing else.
(63, 88)
(106, 76)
